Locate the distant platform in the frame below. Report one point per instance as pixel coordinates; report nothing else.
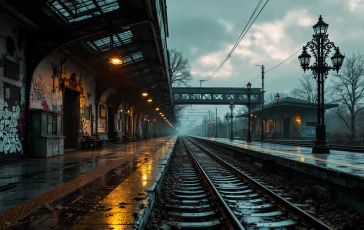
(340, 167)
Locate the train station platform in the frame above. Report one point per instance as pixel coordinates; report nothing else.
(32, 185)
(339, 167)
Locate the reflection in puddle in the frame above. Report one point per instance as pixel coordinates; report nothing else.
(96, 197)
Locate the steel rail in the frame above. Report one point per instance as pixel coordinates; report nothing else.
(296, 212)
(233, 220)
(309, 145)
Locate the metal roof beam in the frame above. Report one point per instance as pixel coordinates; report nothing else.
(65, 7)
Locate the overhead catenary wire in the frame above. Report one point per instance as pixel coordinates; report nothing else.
(278, 64)
(283, 61)
(242, 32)
(241, 36)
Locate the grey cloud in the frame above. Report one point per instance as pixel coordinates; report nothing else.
(204, 35)
(194, 24)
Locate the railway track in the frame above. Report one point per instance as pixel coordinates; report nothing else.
(255, 205)
(244, 203)
(187, 200)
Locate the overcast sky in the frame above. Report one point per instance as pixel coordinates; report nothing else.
(205, 30)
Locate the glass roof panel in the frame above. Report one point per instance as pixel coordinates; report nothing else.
(133, 58)
(137, 56)
(103, 44)
(127, 59)
(77, 10)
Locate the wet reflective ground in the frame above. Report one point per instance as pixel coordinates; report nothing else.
(347, 162)
(24, 180)
(65, 213)
(113, 201)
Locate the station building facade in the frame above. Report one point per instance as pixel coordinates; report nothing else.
(289, 118)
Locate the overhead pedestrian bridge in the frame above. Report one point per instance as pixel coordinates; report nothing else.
(215, 95)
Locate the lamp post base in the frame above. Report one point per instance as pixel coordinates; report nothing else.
(262, 138)
(321, 145)
(320, 149)
(249, 139)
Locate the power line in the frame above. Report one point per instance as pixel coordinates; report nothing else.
(283, 61)
(278, 64)
(241, 36)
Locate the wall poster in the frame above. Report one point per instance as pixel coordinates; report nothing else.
(102, 111)
(87, 112)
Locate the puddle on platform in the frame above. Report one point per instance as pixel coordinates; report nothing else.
(66, 212)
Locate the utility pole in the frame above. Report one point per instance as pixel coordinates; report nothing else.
(209, 130)
(216, 125)
(201, 82)
(262, 122)
(231, 116)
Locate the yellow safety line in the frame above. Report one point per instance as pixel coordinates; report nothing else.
(10, 217)
(120, 189)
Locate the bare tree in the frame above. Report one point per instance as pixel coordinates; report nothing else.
(348, 91)
(271, 97)
(179, 108)
(307, 89)
(241, 110)
(180, 69)
(178, 111)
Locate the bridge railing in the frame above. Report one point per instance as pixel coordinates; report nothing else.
(196, 95)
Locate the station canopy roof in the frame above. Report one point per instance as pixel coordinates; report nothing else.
(83, 29)
(286, 104)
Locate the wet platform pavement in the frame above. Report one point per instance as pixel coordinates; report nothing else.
(349, 163)
(130, 203)
(24, 181)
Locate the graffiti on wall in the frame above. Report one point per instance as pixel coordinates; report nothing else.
(85, 120)
(308, 132)
(9, 129)
(38, 94)
(85, 123)
(61, 146)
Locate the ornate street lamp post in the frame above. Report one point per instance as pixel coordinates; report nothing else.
(213, 128)
(277, 99)
(231, 106)
(249, 91)
(209, 129)
(227, 118)
(320, 47)
(216, 125)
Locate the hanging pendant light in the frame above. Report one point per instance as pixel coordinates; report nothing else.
(114, 57)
